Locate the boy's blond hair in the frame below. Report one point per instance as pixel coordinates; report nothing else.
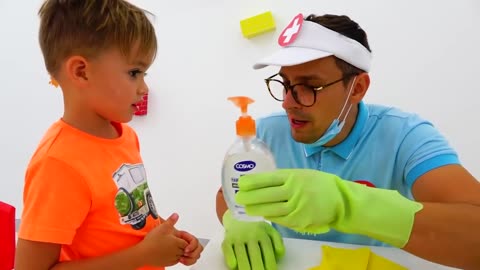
(88, 27)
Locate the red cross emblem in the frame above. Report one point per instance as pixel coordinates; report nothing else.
(364, 182)
(289, 34)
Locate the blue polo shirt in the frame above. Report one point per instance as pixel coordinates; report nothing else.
(387, 148)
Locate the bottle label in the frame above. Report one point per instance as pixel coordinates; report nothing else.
(245, 166)
(236, 166)
(238, 209)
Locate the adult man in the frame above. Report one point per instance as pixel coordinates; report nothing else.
(349, 172)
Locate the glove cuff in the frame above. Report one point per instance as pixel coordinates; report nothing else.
(227, 218)
(381, 214)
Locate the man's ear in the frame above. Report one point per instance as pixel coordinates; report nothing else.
(360, 88)
(76, 70)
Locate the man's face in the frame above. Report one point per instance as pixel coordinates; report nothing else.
(308, 124)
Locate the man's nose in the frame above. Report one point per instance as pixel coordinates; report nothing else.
(289, 101)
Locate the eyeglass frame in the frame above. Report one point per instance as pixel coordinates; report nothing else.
(315, 90)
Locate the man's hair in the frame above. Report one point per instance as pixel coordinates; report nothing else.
(89, 27)
(344, 25)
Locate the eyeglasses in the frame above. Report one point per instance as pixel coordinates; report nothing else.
(303, 94)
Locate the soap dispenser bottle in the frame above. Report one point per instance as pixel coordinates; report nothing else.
(246, 155)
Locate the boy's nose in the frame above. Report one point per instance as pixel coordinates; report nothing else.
(143, 90)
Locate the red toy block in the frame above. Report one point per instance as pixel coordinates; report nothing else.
(7, 236)
(142, 106)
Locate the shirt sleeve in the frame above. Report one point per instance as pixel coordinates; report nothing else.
(56, 202)
(423, 149)
(137, 141)
(134, 134)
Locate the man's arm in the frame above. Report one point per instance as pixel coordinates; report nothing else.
(31, 255)
(221, 205)
(446, 230)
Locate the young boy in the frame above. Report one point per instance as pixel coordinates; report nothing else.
(87, 204)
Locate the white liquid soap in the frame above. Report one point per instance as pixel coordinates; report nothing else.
(247, 155)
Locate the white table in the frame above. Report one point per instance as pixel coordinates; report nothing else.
(303, 254)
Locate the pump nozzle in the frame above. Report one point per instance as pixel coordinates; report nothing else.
(245, 123)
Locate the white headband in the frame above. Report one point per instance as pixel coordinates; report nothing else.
(304, 41)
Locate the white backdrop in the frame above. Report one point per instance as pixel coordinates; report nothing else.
(425, 60)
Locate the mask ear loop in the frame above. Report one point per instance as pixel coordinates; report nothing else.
(345, 104)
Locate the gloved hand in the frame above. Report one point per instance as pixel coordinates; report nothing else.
(312, 201)
(251, 245)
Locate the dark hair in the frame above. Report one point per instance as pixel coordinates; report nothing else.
(344, 25)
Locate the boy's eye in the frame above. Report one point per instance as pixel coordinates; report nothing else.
(134, 72)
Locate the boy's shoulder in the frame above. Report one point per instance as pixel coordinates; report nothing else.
(63, 142)
(49, 140)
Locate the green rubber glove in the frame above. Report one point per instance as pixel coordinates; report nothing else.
(311, 201)
(251, 245)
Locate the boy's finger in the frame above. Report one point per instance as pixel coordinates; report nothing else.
(192, 241)
(189, 260)
(195, 253)
(171, 220)
(167, 226)
(182, 244)
(186, 236)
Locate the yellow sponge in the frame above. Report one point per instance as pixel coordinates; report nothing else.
(354, 259)
(257, 25)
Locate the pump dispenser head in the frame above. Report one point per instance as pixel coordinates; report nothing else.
(245, 123)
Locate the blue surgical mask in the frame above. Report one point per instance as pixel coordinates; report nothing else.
(334, 128)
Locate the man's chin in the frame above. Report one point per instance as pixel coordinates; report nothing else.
(301, 138)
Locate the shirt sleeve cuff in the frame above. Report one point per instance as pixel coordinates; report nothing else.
(48, 235)
(429, 165)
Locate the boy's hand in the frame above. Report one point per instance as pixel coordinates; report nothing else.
(192, 250)
(162, 246)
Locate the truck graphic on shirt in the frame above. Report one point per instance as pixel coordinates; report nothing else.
(133, 201)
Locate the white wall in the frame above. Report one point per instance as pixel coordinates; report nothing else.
(425, 60)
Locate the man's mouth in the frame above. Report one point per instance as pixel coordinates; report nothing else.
(296, 123)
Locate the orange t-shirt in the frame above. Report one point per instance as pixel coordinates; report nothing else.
(87, 193)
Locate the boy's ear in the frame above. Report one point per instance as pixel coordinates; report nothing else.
(76, 70)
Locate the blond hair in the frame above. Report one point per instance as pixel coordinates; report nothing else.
(88, 27)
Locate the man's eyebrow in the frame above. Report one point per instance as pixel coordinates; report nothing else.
(303, 77)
